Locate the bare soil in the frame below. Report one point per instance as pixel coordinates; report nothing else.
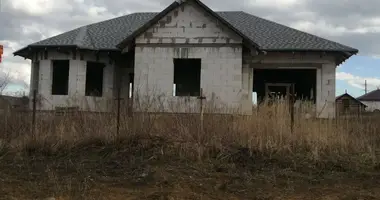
(117, 172)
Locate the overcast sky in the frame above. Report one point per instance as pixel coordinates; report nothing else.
(351, 22)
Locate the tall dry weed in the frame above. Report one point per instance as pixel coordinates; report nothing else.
(267, 131)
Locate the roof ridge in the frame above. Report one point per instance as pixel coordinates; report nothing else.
(110, 19)
(229, 11)
(80, 36)
(91, 39)
(87, 25)
(304, 32)
(60, 34)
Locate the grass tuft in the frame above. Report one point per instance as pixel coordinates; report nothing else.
(167, 156)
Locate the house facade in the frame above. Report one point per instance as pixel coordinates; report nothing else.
(371, 100)
(169, 61)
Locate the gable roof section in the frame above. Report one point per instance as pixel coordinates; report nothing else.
(351, 97)
(261, 33)
(372, 96)
(175, 5)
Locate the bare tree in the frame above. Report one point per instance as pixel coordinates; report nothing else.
(4, 81)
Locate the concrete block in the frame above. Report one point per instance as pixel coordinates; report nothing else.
(194, 24)
(213, 80)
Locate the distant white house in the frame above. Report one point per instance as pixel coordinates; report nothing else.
(371, 100)
(175, 54)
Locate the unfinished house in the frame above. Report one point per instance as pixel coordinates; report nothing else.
(172, 58)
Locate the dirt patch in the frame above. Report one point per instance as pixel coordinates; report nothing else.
(142, 171)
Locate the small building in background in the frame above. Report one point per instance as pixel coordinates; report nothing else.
(10, 104)
(371, 100)
(348, 105)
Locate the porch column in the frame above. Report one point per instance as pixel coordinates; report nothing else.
(45, 77)
(247, 88)
(108, 80)
(78, 70)
(77, 82)
(326, 91)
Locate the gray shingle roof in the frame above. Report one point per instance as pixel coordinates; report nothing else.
(103, 35)
(372, 96)
(270, 35)
(266, 34)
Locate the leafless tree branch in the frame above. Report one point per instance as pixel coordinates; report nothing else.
(4, 81)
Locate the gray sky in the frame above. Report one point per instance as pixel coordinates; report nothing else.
(351, 22)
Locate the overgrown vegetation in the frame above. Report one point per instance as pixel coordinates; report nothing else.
(169, 156)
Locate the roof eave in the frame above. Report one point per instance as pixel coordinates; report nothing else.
(24, 52)
(352, 51)
(346, 53)
(377, 100)
(20, 52)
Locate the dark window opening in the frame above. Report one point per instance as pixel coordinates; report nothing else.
(187, 77)
(60, 77)
(94, 79)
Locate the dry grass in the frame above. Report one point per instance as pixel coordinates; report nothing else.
(162, 156)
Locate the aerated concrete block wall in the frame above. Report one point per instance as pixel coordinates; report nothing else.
(189, 32)
(326, 91)
(77, 82)
(221, 77)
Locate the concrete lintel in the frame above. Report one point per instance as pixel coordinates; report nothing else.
(288, 58)
(287, 66)
(287, 61)
(189, 45)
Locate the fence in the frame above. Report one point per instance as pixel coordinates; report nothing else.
(285, 109)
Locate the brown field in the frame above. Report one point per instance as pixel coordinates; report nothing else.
(161, 156)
